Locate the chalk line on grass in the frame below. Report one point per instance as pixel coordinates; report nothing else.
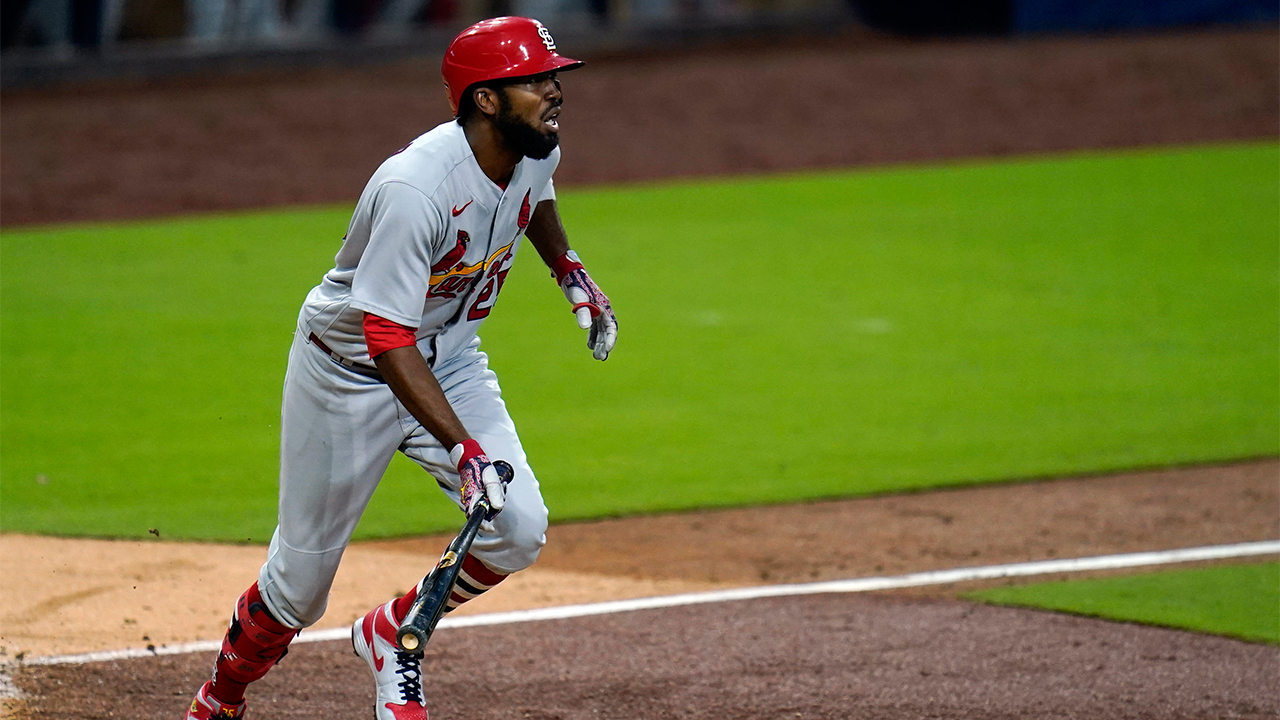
(934, 577)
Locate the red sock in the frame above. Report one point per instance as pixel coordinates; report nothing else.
(474, 579)
(401, 606)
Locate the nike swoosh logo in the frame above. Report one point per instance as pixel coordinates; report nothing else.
(367, 630)
(458, 210)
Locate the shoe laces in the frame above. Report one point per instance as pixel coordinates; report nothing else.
(409, 668)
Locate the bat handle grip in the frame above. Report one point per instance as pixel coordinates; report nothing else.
(506, 473)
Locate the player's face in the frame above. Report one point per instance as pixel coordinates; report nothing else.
(529, 115)
(537, 100)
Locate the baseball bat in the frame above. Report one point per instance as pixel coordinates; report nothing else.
(429, 605)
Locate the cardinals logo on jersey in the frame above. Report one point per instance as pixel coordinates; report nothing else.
(459, 279)
(523, 221)
(452, 257)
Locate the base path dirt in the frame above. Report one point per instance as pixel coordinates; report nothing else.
(826, 657)
(64, 596)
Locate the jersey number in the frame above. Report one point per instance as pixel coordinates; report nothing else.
(488, 295)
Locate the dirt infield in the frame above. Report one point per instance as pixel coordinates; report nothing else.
(75, 596)
(140, 150)
(831, 657)
(817, 657)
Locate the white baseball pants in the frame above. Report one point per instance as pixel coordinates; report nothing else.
(339, 431)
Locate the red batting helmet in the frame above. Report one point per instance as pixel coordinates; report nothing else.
(505, 47)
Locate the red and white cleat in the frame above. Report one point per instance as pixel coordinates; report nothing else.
(397, 673)
(207, 707)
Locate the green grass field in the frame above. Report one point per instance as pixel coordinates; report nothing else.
(1241, 601)
(782, 338)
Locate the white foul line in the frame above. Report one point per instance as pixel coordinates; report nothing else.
(936, 577)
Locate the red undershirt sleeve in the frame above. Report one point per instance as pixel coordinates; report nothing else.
(381, 335)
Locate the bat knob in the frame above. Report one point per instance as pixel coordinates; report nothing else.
(505, 472)
(410, 638)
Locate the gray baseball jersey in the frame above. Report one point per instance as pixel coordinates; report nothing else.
(429, 246)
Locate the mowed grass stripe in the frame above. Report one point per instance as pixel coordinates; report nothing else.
(782, 338)
(1240, 601)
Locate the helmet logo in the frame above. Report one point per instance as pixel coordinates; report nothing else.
(545, 34)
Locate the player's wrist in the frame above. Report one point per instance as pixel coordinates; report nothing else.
(464, 451)
(565, 264)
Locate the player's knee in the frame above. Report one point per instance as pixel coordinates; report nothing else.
(520, 538)
(528, 541)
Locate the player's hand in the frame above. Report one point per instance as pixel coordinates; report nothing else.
(479, 478)
(590, 306)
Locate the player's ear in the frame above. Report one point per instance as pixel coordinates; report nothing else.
(487, 101)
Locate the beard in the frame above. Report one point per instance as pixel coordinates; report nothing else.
(522, 137)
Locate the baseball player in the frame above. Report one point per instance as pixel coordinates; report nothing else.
(386, 358)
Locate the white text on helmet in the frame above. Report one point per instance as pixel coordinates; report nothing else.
(545, 34)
